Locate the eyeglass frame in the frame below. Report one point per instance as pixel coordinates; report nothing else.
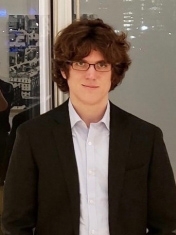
(71, 63)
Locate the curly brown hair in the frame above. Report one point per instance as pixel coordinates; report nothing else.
(78, 39)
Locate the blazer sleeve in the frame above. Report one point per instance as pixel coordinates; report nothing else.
(20, 190)
(161, 191)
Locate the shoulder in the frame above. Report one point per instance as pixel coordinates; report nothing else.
(133, 122)
(47, 120)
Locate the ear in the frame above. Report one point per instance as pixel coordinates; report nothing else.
(63, 74)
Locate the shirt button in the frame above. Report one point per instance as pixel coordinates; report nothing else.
(91, 172)
(93, 231)
(89, 143)
(91, 201)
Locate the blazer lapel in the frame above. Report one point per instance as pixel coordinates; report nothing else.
(64, 142)
(120, 135)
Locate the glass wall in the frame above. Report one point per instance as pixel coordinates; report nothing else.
(149, 88)
(25, 84)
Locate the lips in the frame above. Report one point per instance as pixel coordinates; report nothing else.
(89, 86)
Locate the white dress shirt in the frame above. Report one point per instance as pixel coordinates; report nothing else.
(91, 149)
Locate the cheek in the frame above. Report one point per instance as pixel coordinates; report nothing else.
(108, 81)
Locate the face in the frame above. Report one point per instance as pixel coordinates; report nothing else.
(89, 87)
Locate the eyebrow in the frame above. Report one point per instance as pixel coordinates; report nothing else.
(99, 61)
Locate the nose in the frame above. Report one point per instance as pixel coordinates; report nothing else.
(91, 72)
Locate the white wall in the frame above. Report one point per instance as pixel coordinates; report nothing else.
(149, 88)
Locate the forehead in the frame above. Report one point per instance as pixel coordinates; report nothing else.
(94, 56)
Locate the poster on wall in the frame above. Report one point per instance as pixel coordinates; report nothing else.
(24, 57)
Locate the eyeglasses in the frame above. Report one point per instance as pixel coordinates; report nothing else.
(101, 66)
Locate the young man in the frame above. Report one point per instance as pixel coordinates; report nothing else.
(88, 167)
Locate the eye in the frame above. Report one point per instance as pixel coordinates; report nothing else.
(102, 64)
(80, 63)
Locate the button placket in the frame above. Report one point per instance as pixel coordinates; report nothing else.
(91, 181)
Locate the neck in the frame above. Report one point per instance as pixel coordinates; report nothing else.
(91, 113)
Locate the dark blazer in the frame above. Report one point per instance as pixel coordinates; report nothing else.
(42, 186)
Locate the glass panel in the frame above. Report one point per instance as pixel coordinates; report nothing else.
(25, 91)
(24, 60)
(62, 15)
(149, 89)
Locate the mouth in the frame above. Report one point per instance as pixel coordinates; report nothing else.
(90, 86)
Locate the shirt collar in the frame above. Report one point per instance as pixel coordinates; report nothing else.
(75, 118)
